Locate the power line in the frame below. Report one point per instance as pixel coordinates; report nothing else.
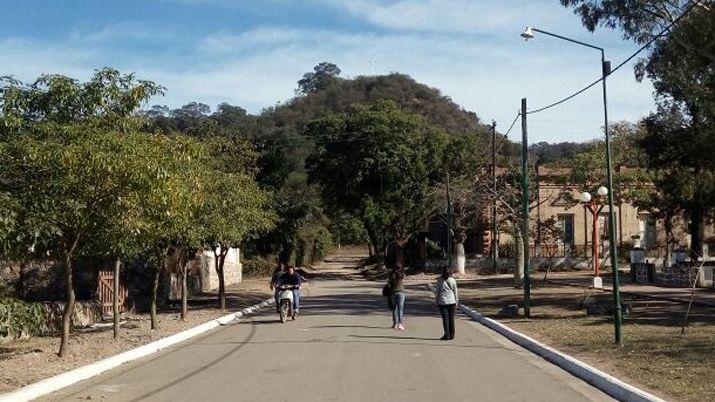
(512, 123)
(624, 62)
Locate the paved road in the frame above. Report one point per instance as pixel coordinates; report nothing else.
(340, 349)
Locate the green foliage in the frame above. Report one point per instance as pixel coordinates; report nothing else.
(19, 318)
(545, 153)
(108, 99)
(312, 245)
(378, 164)
(323, 76)
(628, 158)
(347, 229)
(258, 266)
(680, 136)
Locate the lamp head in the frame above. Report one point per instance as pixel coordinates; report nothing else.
(602, 191)
(585, 197)
(527, 34)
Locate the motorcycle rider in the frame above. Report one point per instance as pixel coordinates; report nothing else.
(292, 278)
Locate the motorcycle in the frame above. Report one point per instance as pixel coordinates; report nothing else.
(285, 302)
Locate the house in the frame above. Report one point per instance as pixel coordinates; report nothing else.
(557, 198)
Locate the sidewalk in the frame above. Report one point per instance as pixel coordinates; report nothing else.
(703, 296)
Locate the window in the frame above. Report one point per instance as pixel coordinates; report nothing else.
(566, 225)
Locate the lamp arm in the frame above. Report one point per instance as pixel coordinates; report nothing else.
(567, 39)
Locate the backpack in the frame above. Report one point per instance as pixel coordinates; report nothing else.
(386, 290)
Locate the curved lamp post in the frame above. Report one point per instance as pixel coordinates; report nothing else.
(605, 72)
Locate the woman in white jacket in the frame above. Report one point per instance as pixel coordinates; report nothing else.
(447, 297)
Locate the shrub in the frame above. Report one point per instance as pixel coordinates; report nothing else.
(19, 318)
(258, 266)
(322, 244)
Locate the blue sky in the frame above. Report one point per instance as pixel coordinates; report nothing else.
(251, 53)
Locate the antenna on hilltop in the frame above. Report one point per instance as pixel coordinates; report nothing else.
(372, 63)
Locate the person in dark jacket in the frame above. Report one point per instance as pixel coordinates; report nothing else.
(395, 281)
(292, 278)
(277, 272)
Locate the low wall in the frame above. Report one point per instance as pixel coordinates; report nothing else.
(508, 264)
(86, 313)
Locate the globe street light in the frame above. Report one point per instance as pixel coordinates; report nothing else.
(605, 72)
(595, 206)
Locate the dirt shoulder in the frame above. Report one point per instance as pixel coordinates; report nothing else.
(655, 356)
(25, 362)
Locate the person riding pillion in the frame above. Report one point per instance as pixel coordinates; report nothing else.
(277, 272)
(292, 278)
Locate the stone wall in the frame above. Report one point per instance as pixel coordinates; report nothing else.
(86, 313)
(202, 273)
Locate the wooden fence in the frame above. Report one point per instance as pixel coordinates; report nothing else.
(105, 292)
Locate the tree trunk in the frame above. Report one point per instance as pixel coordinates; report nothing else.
(370, 249)
(399, 253)
(20, 285)
(182, 264)
(219, 259)
(373, 239)
(69, 306)
(697, 230)
(154, 289)
(460, 260)
(669, 240)
(519, 263)
(115, 299)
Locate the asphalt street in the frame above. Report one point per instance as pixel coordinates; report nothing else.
(341, 348)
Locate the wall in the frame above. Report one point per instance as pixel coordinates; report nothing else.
(202, 273)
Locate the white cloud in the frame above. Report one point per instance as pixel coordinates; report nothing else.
(465, 16)
(258, 68)
(127, 30)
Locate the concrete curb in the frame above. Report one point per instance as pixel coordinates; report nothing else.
(604, 382)
(66, 379)
(698, 303)
(597, 378)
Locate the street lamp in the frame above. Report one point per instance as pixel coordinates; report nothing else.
(595, 206)
(605, 72)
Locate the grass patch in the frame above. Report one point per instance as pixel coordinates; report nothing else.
(655, 355)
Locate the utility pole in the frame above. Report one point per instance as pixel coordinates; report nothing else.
(495, 236)
(449, 223)
(525, 208)
(617, 317)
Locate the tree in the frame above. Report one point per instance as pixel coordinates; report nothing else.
(550, 235)
(641, 20)
(63, 159)
(378, 163)
(172, 206)
(681, 133)
(323, 76)
(508, 196)
(68, 188)
(236, 208)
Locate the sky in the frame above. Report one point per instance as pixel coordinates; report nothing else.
(251, 53)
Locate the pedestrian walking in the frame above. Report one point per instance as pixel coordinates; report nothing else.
(396, 284)
(447, 297)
